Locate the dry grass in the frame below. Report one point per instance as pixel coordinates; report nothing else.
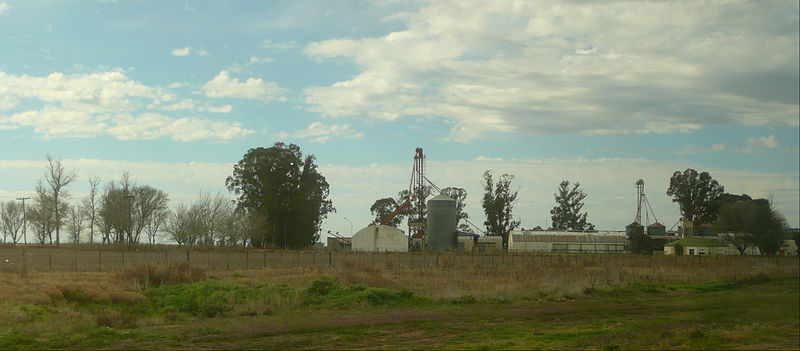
(143, 276)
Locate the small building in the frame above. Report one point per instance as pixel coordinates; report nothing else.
(697, 246)
(380, 238)
(789, 248)
(566, 241)
(490, 243)
(467, 241)
(340, 243)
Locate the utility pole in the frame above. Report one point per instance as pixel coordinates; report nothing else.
(24, 220)
(351, 226)
(24, 235)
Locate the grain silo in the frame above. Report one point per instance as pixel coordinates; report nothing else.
(441, 226)
(634, 229)
(656, 229)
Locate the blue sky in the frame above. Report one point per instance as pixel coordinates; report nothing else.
(604, 94)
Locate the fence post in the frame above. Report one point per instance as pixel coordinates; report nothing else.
(265, 257)
(298, 259)
(373, 259)
(50, 256)
(228, 258)
(208, 258)
(166, 256)
(75, 260)
(246, 258)
(123, 257)
(187, 255)
(330, 261)
(313, 259)
(437, 260)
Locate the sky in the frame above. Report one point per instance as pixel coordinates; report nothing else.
(600, 93)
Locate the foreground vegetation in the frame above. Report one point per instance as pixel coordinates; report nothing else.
(183, 306)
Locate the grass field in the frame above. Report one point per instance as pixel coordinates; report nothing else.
(555, 302)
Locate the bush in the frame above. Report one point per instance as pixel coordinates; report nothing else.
(144, 276)
(678, 249)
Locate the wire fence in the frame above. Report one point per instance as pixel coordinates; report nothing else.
(110, 258)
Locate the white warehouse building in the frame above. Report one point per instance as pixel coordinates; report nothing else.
(566, 241)
(379, 238)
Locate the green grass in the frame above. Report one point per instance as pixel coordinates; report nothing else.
(759, 311)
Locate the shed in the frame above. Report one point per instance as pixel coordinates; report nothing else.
(380, 238)
(697, 246)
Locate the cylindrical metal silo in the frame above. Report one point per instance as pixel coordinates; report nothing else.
(442, 234)
(634, 229)
(656, 229)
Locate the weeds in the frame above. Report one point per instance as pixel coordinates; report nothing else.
(144, 276)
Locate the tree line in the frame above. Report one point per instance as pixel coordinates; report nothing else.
(281, 198)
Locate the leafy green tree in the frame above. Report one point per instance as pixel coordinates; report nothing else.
(498, 204)
(460, 195)
(697, 194)
(286, 189)
(566, 215)
(641, 244)
(384, 207)
(752, 223)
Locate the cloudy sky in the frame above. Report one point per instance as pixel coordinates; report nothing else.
(602, 94)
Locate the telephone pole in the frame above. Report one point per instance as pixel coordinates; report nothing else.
(24, 235)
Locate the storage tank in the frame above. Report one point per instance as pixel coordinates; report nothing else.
(656, 229)
(634, 229)
(441, 226)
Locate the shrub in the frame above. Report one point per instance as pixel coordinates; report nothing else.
(145, 276)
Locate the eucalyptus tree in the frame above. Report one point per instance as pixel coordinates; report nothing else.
(498, 205)
(567, 215)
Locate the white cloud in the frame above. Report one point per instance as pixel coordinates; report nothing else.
(186, 51)
(181, 51)
(608, 68)
(756, 143)
(177, 85)
(222, 85)
(220, 109)
(694, 149)
(4, 7)
(318, 132)
(269, 44)
(92, 93)
(256, 59)
(106, 103)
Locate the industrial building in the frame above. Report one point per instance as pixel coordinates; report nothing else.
(566, 241)
(379, 238)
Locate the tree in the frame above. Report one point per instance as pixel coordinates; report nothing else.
(126, 209)
(42, 215)
(752, 223)
(11, 221)
(184, 225)
(75, 224)
(566, 215)
(460, 195)
(498, 203)
(697, 194)
(384, 207)
(58, 178)
(285, 188)
(90, 205)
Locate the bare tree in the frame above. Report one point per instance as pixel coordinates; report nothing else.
(90, 206)
(11, 221)
(42, 216)
(148, 202)
(155, 224)
(75, 225)
(58, 178)
(127, 209)
(185, 225)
